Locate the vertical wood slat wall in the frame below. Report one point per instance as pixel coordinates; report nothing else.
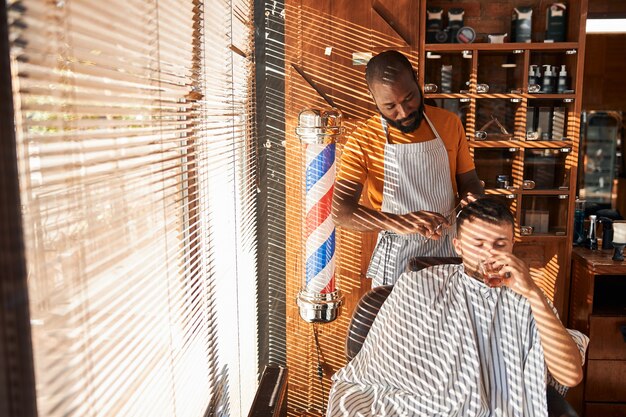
(311, 27)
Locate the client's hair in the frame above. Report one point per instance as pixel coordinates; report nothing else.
(487, 209)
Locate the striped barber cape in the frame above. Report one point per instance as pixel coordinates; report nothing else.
(445, 344)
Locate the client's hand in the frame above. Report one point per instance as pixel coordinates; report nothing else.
(514, 272)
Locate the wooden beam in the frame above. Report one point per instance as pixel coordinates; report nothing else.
(389, 19)
(313, 84)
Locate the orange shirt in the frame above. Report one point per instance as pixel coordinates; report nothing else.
(362, 159)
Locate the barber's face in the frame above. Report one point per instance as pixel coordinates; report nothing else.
(476, 238)
(399, 102)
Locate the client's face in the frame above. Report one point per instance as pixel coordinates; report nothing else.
(477, 238)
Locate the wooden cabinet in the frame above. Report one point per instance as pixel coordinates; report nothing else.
(524, 143)
(598, 309)
(605, 410)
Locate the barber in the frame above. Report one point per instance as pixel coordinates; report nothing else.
(412, 159)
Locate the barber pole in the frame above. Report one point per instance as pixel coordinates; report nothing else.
(319, 300)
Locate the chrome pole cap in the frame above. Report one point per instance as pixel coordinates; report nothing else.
(319, 308)
(319, 125)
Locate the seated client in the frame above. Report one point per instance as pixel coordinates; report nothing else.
(476, 339)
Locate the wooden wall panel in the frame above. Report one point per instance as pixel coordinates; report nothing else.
(350, 35)
(309, 56)
(310, 28)
(607, 8)
(404, 16)
(605, 88)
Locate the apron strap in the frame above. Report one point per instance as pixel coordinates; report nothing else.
(385, 125)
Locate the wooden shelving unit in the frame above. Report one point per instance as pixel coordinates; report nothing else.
(564, 97)
(505, 66)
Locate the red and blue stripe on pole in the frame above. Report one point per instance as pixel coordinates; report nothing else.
(319, 227)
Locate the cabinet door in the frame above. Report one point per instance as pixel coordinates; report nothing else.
(550, 119)
(554, 72)
(605, 410)
(495, 118)
(607, 337)
(599, 161)
(605, 381)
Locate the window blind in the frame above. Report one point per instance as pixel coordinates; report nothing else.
(138, 184)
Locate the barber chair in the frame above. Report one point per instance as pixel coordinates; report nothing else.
(368, 306)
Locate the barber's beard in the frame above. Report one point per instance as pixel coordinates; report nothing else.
(417, 116)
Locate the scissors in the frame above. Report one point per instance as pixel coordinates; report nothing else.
(450, 216)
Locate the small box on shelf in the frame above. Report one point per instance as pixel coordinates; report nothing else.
(521, 29)
(556, 22)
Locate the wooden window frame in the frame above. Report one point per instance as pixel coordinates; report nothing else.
(17, 378)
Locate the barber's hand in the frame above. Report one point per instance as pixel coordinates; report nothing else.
(469, 197)
(426, 223)
(515, 273)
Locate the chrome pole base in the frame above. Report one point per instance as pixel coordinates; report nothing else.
(319, 308)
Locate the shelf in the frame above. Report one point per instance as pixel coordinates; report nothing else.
(502, 96)
(516, 191)
(536, 46)
(501, 191)
(473, 95)
(540, 237)
(448, 95)
(504, 68)
(550, 96)
(551, 192)
(526, 144)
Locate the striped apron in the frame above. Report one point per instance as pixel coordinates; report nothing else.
(417, 177)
